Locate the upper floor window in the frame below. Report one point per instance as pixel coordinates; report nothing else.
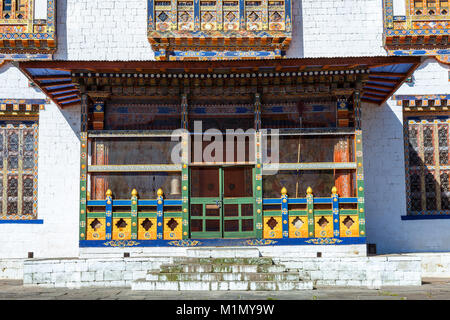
(19, 158)
(228, 29)
(419, 25)
(429, 7)
(427, 154)
(15, 9)
(27, 27)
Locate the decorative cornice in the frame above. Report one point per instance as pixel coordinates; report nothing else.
(414, 32)
(32, 37)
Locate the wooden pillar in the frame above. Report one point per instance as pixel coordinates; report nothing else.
(310, 212)
(83, 164)
(285, 212)
(343, 178)
(108, 215)
(335, 208)
(185, 185)
(258, 185)
(359, 166)
(160, 215)
(257, 112)
(134, 217)
(98, 115)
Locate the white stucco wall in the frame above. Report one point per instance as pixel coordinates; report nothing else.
(116, 30)
(384, 170)
(58, 178)
(102, 30)
(332, 28)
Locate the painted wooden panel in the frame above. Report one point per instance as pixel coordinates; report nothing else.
(273, 227)
(173, 229)
(121, 229)
(349, 226)
(96, 229)
(298, 227)
(147, 229)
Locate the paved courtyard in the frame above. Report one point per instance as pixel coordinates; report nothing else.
(432, 289)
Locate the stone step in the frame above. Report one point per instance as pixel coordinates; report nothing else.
(213, 268)
(228, 252)
(143, 284)
(286, 276)
(222, 261)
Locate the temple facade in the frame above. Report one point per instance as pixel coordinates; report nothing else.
(288, 126)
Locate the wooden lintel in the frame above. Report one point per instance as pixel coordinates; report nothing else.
(99, 94)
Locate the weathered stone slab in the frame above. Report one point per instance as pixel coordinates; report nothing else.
(223, 253)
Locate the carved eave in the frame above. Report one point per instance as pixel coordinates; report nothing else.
(416, 39)
(250, 42)
(376, 78)
(27, 46)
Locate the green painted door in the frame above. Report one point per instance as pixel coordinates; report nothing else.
(222, 202)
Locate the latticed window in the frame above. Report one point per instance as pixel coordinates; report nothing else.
(430, 190)
(18, 170)
(429, 7)
(15, 9)
(445, 192)
(427, 161)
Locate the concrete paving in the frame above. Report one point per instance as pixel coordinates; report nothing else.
(432, 289)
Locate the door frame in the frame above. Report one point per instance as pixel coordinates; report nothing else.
(222, 201)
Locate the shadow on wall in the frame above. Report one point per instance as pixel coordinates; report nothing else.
(73, 112)
(61, 31)
(296, 49)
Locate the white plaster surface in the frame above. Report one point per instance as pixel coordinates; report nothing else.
(116, 30)
(384, 171)
(331, 28)
(40, 9)
(399, 7)
(58, 179)
(102, 30)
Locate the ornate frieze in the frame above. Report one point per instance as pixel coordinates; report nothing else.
(423, 103)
